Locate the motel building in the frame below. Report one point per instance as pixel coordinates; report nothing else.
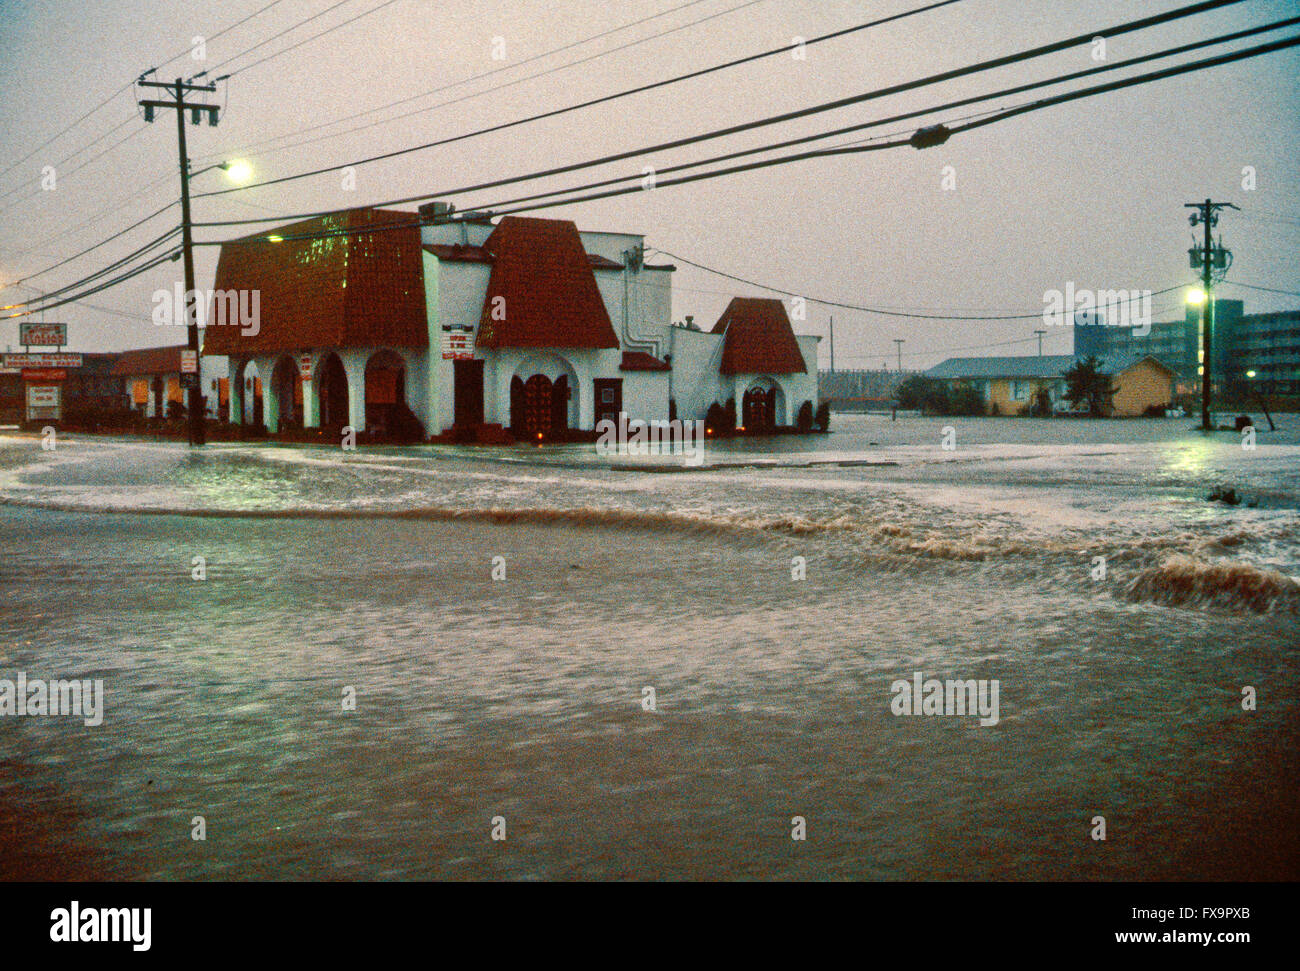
(151, 379)
(477, 326)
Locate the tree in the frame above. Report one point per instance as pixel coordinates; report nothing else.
(965, 399)
(923, 394)
(824, 416)
(1085, 384)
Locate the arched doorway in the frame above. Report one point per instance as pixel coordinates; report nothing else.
(287, 388)
(247, 387)
(757, 410)
(539, 407)
(762, 407)
(385, 393)
(332, 387)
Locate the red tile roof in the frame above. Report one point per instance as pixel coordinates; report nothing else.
(551, 300)
(641, 361)
(760, 339)
(353, 289)
(149, 360)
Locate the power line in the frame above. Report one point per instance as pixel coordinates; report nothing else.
(98, 216)
(1198, 65)
(786, 159)
(77, 298)
(649, 87)
(1018, 89)
(253, 149)
(1037, 315)
(748, 126)
(275, 36)
(90, 249)
(116, 264)
(330, 30)
(1000, 116)
(1248, 286)
(119, 91)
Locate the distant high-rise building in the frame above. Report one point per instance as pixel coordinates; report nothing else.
(1261, 351)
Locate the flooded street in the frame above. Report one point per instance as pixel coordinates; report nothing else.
(770, 599)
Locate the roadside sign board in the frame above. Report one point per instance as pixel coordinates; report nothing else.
(44, 375)
(189, 362)
(42, 360)
(33, 334)
(44, 401)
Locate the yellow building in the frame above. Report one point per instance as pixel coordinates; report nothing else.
(1010, 385)
(1141, 384)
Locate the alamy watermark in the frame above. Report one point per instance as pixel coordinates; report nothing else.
(230, 308)
(22, 697)
(637, 437)
(952, 697)
(1111, 308)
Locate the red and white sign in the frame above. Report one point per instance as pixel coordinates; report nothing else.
(189, 362)
(457, 344)
(34, 334)
(42, 360)
(44, 375)
(304, 367)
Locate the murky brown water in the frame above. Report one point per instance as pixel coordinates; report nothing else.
(522, 698)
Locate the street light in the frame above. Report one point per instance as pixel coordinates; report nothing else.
(1196, 297)
(237, 171)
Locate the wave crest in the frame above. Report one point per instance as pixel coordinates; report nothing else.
(1181, 581)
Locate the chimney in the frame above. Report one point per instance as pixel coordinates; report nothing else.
(436, 212)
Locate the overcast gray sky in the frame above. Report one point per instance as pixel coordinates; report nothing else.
(1090, 192)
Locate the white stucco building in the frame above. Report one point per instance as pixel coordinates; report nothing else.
(477, 328)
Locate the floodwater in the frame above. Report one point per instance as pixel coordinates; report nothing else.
(522, 698)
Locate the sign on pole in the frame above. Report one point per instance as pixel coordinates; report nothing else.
(33, 334)
(189, 362)
(304, 367)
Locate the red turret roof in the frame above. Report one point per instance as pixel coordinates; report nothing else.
(550, 296)
(759, 339)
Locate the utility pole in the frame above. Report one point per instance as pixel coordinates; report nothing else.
(898, 346)
(1040, 334)
(832, 344)
(1206, 259)
(179, 89)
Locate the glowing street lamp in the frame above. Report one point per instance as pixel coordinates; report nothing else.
(238, 171)
(1196, 297)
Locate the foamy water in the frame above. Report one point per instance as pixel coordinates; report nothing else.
(522, 696)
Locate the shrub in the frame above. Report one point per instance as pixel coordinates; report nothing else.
(716, 418)
(824, 416)
(805, 419)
